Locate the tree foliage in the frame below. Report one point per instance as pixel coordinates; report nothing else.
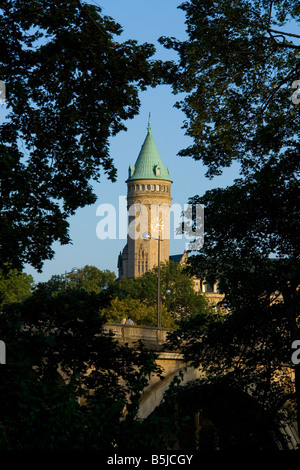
(141, 313)
(67, 384)
(245, 360)
(92, 279)
(178, 295)
(237, 68)
(89, 278)
(224, 418)
(15, 286)
(70, 86)
(252, 249)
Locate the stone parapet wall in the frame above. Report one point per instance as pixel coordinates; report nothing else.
(152, 337)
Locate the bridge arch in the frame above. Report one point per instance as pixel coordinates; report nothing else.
(172, 364)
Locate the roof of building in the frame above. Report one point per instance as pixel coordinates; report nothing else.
(149, 164)
(176, 258)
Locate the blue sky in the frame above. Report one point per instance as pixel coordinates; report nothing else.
(144, 21)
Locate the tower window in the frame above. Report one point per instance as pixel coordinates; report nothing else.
(143, 187)
(146, 266)
(148, 187)
(142, 266)
(152, 187)
(139, 267)
(157, 187)
(137, 187)
(157, 170)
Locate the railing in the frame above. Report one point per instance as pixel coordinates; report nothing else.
(152, 337)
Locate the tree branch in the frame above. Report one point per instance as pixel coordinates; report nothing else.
(270, 96)
(284, 33)
(86, 13)
(283, 81)
(270, 14)
(2, 7)
(284, 43)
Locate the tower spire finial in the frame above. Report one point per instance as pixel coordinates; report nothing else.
(149, 124)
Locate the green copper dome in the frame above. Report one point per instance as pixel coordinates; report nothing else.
(149, 164)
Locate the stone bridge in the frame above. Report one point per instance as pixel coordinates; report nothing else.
(171, 363)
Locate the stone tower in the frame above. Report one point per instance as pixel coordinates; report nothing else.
(148, 205)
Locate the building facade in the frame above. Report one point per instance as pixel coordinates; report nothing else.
(148, 204)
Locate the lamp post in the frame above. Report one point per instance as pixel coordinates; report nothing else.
(158, 285)
(146, 237)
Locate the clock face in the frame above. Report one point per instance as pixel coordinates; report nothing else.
(157, 224)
